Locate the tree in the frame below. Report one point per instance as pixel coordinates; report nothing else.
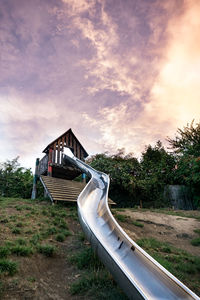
(186, 147)
(187, 140)
(15, 181)
(156, 171)
(122, 170)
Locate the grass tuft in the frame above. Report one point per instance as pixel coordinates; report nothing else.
(7, 266)
(21, 242)
(197, 231)
(4, 251)
(35, 239)
(136, 223)
(16, 230)
(47, 250)
(86, 259)
(21, 250)
(99, 285)
(121, 218)
(196, 242)
(60, 237)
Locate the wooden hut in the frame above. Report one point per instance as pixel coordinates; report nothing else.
(51, 164)
(56, 176)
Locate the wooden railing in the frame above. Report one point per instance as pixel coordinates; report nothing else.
(43, 165)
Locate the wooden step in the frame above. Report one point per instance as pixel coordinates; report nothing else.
(62, 189)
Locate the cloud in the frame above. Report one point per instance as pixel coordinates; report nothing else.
(176, 94)
(120, 73)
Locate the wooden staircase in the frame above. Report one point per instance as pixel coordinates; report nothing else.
(62, 189)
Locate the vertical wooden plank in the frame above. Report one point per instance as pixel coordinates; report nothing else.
(81, 154)
(67, 139)
(54, 153)
(74, 147)
(63, 143)
(35, 179)
(58, 152)
(50, 162)
(70, 139)
(78, 151)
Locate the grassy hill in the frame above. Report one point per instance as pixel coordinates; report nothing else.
(44, 255)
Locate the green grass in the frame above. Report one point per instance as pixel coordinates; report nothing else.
(16, 230)
(4, 251)
(8, 267)
(98, 285)
(197, 231)
(19, 224)
(65, 232)
(121, 218)
(136, 223)
(127, 219)
(21, 250)
(184, 266)
(196, 242)
(51, 231)
(47, 250)
(95, 281)
(21, 241)
(4, 220)
(31, 279)
(35, 239)
(86, 259)
(60, 237)
(60, 223)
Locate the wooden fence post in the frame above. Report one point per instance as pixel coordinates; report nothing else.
(35, 179)
(50, 162)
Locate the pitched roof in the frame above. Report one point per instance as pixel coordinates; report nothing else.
(60, 137)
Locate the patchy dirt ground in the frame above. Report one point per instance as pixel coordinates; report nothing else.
(178, 231)
(49, 278)
(38, 277)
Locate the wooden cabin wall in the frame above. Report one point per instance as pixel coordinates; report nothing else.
(67, 140)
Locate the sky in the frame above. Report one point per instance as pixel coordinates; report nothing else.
(120, 73)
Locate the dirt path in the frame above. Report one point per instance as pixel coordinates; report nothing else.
(179, 231)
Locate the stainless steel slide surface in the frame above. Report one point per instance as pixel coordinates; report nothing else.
(138, 274)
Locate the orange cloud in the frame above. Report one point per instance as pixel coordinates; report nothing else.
(174, 97)
(176, 93)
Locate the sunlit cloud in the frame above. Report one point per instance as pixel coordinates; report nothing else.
(176, 94)
(121, 74)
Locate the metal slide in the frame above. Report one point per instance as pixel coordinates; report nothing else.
(138, 274)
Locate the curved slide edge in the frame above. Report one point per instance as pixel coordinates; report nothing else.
(138, 274)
